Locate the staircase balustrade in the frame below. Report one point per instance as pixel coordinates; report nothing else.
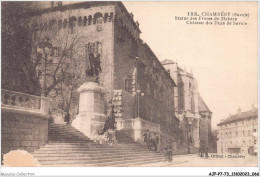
(138, 123)
(23, 101)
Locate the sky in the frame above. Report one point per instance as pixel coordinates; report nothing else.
(222, 58)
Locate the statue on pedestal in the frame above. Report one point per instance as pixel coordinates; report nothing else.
(93, 67)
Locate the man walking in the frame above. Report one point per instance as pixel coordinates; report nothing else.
(168, 152)
(147, 138)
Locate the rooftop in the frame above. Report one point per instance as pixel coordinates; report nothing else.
(202, 105)
(240, 116)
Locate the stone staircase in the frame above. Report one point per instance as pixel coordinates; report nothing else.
(69, 147)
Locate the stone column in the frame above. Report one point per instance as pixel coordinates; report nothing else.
(91, 117)
(138, 131)
(44, 105)
(196, 136)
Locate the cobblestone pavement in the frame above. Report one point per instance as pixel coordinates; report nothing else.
(196, 161)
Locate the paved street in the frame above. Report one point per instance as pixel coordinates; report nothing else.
(195, 161)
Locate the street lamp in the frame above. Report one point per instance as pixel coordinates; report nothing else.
(138, 94)
(45, 45)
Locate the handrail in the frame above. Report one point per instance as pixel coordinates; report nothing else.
(132, 124)
(20, 93)
(24, 102)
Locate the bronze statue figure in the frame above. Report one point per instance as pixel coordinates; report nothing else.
(93, 65)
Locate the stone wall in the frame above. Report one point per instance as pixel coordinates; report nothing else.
(204, 131)
(124, 104)
(22, 130)
(137, 66)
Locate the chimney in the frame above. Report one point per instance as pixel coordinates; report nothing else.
(132, 15)
(239, 111)
(137, 24)
(254, 107)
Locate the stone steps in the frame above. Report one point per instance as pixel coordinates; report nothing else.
(131, 163)
(102, 161)
(83, 154)
(87, 150)
(87, 146)
(94, 157)
(69, 147)
(90, 143)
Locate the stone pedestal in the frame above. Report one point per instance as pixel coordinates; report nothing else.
(91, 116)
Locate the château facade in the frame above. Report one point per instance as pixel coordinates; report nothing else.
(145, 94)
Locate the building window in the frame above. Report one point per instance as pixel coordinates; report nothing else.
(243, 133)
(99, 24)
(94, 48)
(236, 124)
(249, 132)
(244, 143)
(127, 84)
(189, 128)
(79, 21)
(236, 134)
(243, 124)
(230, 134)
(72, 24)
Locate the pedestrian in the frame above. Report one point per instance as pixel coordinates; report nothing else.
(112, 136)
(200, 151)
(67, 118)
(147, 138)
(168, 152)
(155, 142)
(206, 152)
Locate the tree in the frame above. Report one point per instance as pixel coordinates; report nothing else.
(58, 58)
(16, 74)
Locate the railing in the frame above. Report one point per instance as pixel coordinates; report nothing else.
(138, 123)
(125, 124)
(23, 101)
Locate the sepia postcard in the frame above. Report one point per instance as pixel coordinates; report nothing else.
(151, 84)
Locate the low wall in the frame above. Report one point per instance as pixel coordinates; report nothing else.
(135, 128)
(24, 121)
(22, 131)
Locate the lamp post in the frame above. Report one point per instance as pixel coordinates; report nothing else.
(138, 94)
(45, 45)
